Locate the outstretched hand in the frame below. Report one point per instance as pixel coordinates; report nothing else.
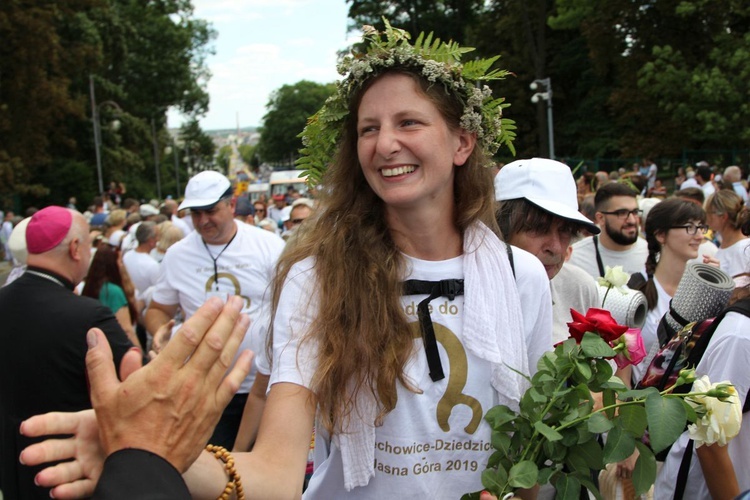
(75, 478)
(171, 406)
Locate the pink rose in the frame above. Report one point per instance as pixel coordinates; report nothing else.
(634, 350)
(598, 321)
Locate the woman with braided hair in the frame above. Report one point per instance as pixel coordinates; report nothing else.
(674, 230)
(725, 214)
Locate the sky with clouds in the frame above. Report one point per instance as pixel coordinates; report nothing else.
(262, 45)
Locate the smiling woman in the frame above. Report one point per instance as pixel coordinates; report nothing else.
(674, 231)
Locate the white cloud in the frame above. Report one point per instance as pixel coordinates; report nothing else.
(264, 44)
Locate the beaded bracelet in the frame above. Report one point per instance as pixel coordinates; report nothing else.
(234, 483)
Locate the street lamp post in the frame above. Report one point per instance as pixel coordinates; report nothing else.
(177, 167)
(98, 130)
(545, 94)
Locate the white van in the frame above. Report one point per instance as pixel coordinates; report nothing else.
(280, 181)
(255, 190)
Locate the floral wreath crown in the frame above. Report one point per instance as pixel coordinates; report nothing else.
(438, 62)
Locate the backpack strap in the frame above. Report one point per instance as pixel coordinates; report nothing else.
(510, 259)
(598, 256)
(741, 306)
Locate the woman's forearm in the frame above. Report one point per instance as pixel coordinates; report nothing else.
(718, 472)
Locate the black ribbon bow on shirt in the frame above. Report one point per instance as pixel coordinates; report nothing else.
(434, 289)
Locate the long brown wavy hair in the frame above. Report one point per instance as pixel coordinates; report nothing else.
(360, 331)
(105, 268)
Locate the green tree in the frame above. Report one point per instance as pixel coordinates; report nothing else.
(248, 155)
(447, 19)
(288, 110)
(676, 69)
(199, 146)
(531, 50)
(223, 157)
(144, 57)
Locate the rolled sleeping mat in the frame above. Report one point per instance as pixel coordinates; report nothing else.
(702, 293)
(628, 308)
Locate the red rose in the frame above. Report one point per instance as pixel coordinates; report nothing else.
(598, 321)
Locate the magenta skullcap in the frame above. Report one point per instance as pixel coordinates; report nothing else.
(47, 228)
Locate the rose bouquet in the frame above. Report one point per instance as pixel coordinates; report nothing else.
(552, 438)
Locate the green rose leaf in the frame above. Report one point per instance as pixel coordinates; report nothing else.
(620, 445)
(633, 418)
(575, 462)
(584, 434)
(545, 474)
(554, 451)
(591, 453)
(495, 481)
(644, 473)
(537, 396)
(547, 431)
(495, 458)
(589, 485)
(567, 487)
(501, 442)
(603, 374)
(593, 346)
(598, 423)
(584, 369)
(523, 474)
(498, 416)
(666, 420)
(615, 383)
(638, 393)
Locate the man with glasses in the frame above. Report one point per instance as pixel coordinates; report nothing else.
(222, 257)
(617, 215)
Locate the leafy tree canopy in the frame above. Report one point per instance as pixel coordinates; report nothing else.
(288, 110)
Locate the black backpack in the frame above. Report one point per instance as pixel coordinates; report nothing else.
(685, 349)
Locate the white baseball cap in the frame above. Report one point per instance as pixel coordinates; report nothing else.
(547, 184)
(205, 190)
(17, 241)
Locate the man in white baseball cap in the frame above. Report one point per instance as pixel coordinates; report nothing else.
(222, 257)
(539, 213)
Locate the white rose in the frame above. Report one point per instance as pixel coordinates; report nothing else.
(615, 277)
(722, 419)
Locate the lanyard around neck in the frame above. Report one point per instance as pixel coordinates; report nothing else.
(215, 259)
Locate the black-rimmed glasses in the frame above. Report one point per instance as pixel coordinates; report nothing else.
(623, 213)
(692, 229)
